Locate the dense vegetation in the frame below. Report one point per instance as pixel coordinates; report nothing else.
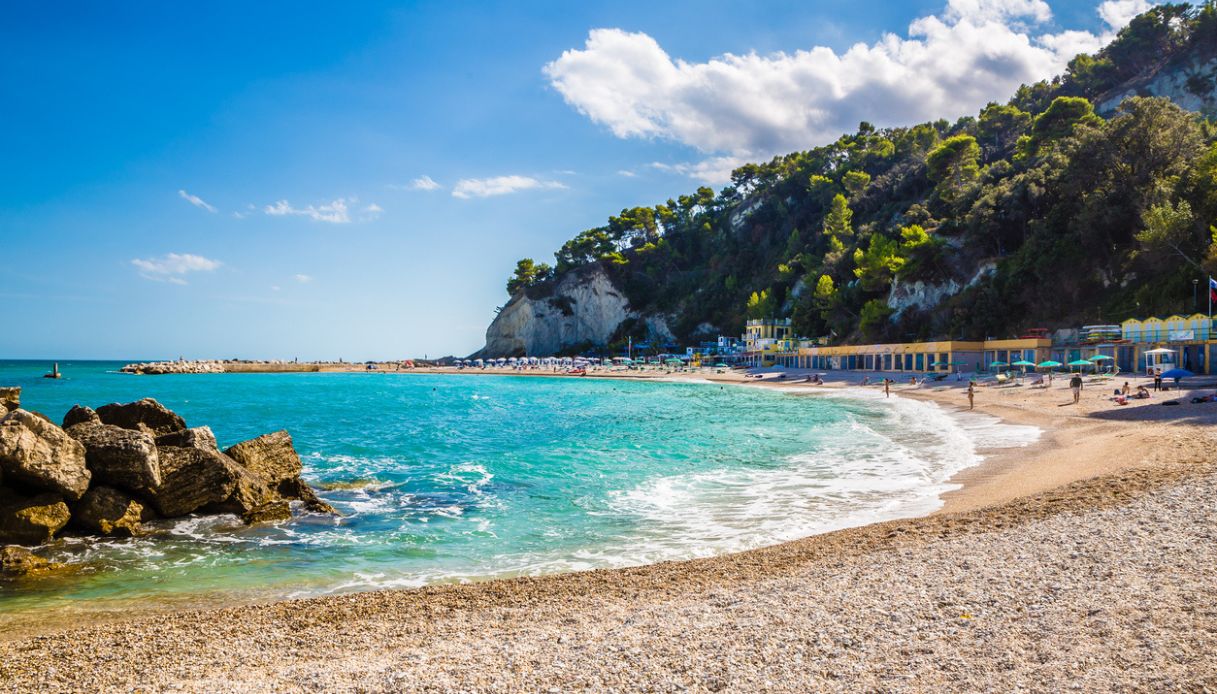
(1042, 212)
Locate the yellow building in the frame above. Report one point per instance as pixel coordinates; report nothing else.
(1191, 340)
(762, 332)
(766, 338)
(945, 356)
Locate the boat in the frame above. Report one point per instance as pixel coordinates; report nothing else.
(54, 372)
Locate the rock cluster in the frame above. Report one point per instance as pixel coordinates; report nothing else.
(175, 367)
(106, 472)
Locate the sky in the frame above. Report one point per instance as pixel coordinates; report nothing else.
(321, 181)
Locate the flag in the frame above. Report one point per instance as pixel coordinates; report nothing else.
(1212, 290)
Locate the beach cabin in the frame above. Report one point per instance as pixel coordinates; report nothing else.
(1132, 331)
(1153, 330)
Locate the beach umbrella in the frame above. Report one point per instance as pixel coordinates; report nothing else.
(1177, 374)
(1101, 357)
(997, 363)
(1081, 362)
(1024, 364)
(1050, 364)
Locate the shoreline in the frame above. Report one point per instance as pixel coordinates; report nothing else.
(1081, 464)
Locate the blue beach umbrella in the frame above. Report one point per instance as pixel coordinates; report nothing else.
(1177, 374)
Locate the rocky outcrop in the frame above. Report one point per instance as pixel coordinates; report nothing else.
(108, 511)
(273, 458)
(192, 478)
(145, 415)
(36, 453)
(119, 457)
(1192, 84)
(10, 398)
(271, 455)
(175, 367)
(584, 308)
(32, 520)
(80, 415)
(194, 437)
(112, 470)
(16, 562)
(270, 512)
(927, 296)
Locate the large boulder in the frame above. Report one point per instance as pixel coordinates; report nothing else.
(299, 489)
(16, 562)
(269, 512)
(80, 414)
(33, 520)
(145, 415)
(119, 457)
(36, 453)
(250, 491)
(194, 437)
(108, 511)
(273, 457)
(192, 478)
(10, 398)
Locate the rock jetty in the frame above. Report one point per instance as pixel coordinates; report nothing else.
(175, 367)
(110, 470)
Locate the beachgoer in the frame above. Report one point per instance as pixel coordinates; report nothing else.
(971, 395)
(1075, 384)
(1157, 380)
(1142, 392)
(1126, 390)
(866, 380)
(887, 387)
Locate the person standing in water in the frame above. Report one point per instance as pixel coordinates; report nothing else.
(887, 387)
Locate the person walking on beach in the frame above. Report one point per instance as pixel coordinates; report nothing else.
(971, 395)
(1075, 384)
(887, 387)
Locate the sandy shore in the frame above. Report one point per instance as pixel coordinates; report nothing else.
(1085, 560)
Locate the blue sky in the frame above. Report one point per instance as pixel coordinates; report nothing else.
(254, 179)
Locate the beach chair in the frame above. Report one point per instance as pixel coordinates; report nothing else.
(1002, 379)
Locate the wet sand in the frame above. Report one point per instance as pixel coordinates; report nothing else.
(1083, 560)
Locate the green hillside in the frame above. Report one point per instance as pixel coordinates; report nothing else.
(1040, 211)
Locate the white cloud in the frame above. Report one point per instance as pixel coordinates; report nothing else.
(998, 10)
(172, 267)
(336, 212)
(424, 183)
(713, 170)
(303, 279)
(755, 106)
(196, 201)
(372, 211)
(499, 185)
(626, 172)
(1118, 13)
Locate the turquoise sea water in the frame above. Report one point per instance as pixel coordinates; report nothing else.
(461, 477)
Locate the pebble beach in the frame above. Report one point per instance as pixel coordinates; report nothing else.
(1081, 563)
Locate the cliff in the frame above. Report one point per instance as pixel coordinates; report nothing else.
(1190, 83)
(1087, 195)
(584, 308)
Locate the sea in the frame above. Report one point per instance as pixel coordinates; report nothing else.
(450, 478)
